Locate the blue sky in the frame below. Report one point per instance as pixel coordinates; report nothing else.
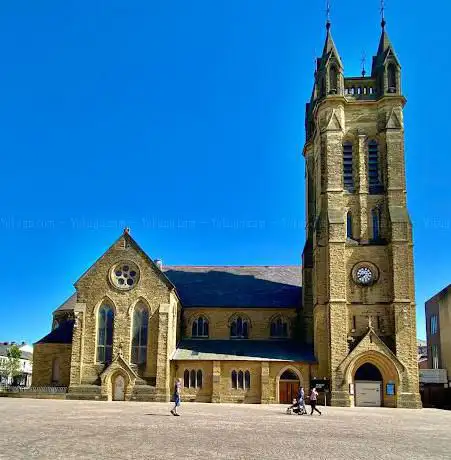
(185, 121)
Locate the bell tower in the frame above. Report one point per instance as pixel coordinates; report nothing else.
(359, 301)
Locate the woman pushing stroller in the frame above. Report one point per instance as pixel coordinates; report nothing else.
(298, 405)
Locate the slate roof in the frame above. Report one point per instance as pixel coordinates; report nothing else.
(237, 286)
(62, 334)
(24, 354)
(68, 304)
(243, 350)
(231, 286)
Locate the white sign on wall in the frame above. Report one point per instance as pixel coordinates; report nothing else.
(433, 376)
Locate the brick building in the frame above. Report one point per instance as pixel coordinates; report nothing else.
(252, 334)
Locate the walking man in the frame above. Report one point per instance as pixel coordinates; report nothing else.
(313, 401)
(177, 391)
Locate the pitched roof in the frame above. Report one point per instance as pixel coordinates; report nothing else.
(68, 304)
(237, 286)
(243, 350)
(62, 334)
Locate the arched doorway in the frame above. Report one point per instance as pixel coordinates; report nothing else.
(288, 386)
(368, 386)
(119, 388)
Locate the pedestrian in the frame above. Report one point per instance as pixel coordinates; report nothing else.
(313, 401)
(177, 391)
(301, 401)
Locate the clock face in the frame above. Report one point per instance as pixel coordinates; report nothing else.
(364, 276)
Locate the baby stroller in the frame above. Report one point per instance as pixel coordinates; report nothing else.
(296, 408)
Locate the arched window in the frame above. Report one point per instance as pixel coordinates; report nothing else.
(374, 182)
(239, 328)
(139, 338)
(322, 87)
(241, 380)
(391, 78)
(192, 378)
(105, 334)
(55, 324)
(200, 327)
(349, 225)
(234, 380)
(56, 371)
(333, 80)
(375, 217)
(279, 327)
(247, 380)
(348, 176)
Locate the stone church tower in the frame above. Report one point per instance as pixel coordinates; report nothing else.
(358, 258)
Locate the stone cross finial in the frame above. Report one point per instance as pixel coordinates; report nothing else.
(327, 14)
(383, 14)
(370, 322)
(120, 349)
(363, 60)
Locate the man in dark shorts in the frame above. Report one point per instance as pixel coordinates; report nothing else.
(177, 400)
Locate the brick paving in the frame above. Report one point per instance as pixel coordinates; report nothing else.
(50, 429)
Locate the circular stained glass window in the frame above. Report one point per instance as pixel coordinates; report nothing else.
(124, 275)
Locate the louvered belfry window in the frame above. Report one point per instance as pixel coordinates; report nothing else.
(374, 181)
(348, 177)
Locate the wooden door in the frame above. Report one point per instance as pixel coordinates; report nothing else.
(288, 391)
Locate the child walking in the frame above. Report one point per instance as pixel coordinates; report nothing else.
(177, 391)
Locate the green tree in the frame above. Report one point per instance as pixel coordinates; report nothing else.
(11, 366)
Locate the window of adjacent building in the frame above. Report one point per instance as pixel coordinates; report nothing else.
(241, 380)
(374, 182)
(434, 324)
(200, 327)
(376, 223)
(105, 334)
(349, 225)
(140, 333)
(239, 328)
(348, 176)
(192, 378)
(279, 328)
(434, 354)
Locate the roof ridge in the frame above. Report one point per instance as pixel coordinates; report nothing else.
(233, 266)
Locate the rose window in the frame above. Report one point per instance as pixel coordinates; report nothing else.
(124, 275)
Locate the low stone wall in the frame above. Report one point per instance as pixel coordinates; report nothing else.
(34, 392)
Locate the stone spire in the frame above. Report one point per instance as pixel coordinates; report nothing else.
(329, 50)
(386, 67)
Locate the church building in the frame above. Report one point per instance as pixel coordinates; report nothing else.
(253, 334)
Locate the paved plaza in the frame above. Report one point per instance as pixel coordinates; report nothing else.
(50, 429)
